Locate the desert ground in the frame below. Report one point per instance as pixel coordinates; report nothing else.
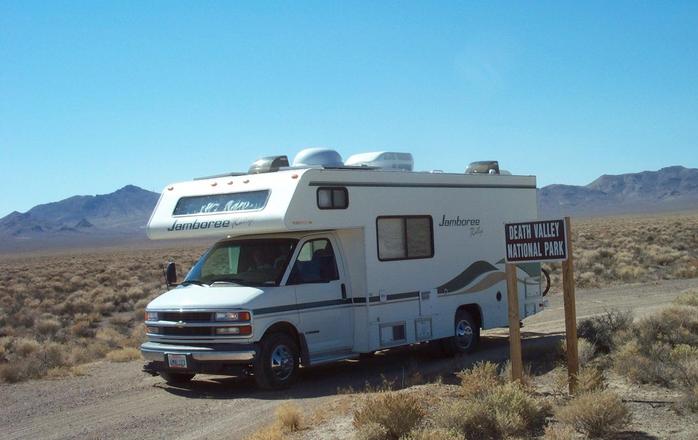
(70, 324)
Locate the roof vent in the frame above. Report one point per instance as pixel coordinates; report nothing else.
(317, 156)
(483, 167)
(385, 160)
(268, 164)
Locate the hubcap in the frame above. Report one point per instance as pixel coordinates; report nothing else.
(464, 334)
(281, 362)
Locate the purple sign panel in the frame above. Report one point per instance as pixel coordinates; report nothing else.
(535, 241)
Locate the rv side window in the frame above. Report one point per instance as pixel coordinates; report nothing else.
(315, 264)
(332, 198)
(405, 238)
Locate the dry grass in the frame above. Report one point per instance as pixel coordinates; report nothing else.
(614, 250)
(479, 379)
(59, 311)
(289, 416)
(271, 432)
(596, 414)
(433, 434)
(397, 412)
(124, 354)
(559, 432)
(289, 419)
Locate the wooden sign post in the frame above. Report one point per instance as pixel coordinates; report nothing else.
(537, 242)
(570, 312)
(515, 356)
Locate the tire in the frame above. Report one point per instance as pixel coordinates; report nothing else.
(176, 378)
(466, 334)
(276, 367)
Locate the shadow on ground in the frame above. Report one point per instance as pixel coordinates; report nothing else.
(397, 366)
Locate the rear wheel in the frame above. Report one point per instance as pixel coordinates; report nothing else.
(277, 364)
(466, 334)
(176, 378)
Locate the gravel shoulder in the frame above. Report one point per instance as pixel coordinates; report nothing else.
(119, 401)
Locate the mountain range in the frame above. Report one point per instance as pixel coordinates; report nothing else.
(669, 189)
(120, 217)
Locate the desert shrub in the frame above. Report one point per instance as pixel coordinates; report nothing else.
(526, 375)
(687, 298)
(289, 416)
(690, 399)
(398, 413)
(371, 431)
(47, 327)
(504, 410)
(672, 326)
(662, 349)
(590, 379)
(596, 414)
(559, 432)
(472, 418)
(24, 347)
(433, 434)
(124, 355)
(109, 335)
(640, 367)
(600, 330)
(586, 350)
(479, 379)
(517, 412)
(32, 363)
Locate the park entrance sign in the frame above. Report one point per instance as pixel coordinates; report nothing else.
(541, 241)
(536, 241)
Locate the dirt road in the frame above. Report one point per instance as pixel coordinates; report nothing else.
(119, 401)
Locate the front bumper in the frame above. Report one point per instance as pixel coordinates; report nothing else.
(227, 353)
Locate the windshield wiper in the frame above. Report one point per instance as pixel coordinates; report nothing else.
(239, 281)
(187, 282)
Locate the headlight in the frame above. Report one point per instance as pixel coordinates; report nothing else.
(151, 316)
(232, 316)
(152, 330)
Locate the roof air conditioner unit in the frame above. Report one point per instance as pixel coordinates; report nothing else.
(385, 160)
(317, 157)
(268, 164)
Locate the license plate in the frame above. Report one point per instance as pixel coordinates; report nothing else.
(177, 360)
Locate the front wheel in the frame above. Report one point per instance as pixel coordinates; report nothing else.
(466, 334)
(277, 363)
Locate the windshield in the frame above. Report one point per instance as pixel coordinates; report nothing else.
(246, 262)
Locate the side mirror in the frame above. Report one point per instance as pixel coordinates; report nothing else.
(171, 274)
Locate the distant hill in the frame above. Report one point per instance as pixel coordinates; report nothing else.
(669, 189)
(80, 220)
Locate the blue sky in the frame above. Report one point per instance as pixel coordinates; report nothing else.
(97, 95)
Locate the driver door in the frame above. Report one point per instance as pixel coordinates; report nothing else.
(326, 317)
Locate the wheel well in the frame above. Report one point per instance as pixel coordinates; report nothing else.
(283, 327)
(290, 329)
(474, 310)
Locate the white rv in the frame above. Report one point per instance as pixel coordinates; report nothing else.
(317, 264)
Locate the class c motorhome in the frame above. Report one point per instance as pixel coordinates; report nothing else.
(321, 263)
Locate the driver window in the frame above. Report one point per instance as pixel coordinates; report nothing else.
(315, 263)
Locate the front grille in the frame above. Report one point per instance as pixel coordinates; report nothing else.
(186, 316)
(187, 331)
